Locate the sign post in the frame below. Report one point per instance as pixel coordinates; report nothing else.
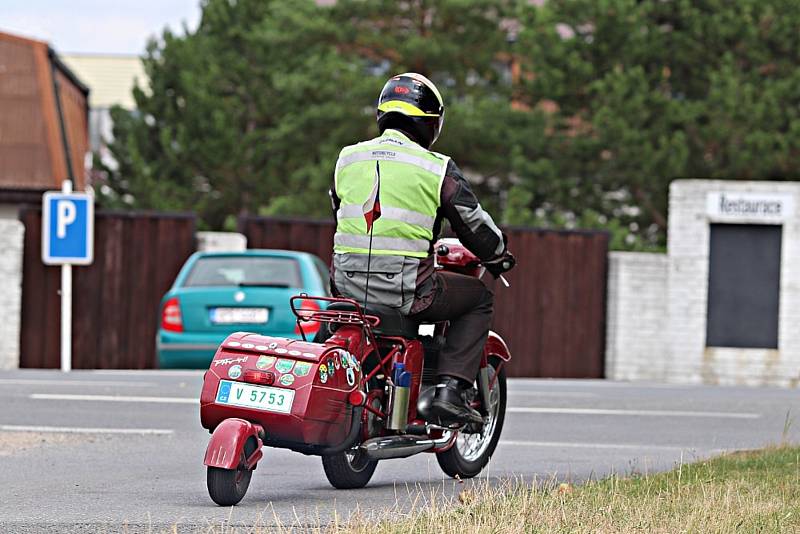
(67, 240)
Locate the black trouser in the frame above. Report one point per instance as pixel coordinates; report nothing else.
(466, 302)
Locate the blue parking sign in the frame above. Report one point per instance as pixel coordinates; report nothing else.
(67, 228)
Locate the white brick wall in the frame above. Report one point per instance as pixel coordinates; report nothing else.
(638, 349)
(635, 341)
(688, 244)
(11, 234)
(221, 242)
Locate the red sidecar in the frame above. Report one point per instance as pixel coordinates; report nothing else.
(296, 391)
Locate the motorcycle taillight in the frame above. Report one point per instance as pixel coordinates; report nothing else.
(307, 309)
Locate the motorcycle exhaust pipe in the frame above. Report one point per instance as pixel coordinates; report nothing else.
(402, 446)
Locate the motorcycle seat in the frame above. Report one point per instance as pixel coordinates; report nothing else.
(393, 323)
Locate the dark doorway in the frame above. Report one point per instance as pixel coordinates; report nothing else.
(744, 280)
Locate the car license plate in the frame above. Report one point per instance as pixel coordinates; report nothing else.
(239, 315)
(258, 397)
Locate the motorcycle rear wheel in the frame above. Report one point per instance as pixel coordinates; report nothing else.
(471, 452)
(349, 469)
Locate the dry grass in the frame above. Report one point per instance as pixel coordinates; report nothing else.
(755, 491)
(742, 492)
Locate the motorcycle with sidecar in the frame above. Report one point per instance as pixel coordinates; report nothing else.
(359, 394)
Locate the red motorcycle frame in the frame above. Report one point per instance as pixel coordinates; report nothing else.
(358, 395)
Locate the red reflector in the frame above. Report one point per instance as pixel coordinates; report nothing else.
(259, 377)
(171, 319)
(357, 397)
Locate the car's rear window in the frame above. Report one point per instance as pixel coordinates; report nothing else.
(244, 271)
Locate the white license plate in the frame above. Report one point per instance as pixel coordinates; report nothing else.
(239, 315)
(258, 397)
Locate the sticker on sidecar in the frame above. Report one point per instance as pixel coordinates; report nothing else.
(258, 397)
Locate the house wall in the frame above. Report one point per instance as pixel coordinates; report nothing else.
(11, 243)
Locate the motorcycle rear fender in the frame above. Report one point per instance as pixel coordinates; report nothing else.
(227, 443)
(351, 337)
(495, 346)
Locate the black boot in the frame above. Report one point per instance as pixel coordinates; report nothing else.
(450, 404)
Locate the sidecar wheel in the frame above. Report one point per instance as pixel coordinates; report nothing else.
(228, 486)
(471, 452)
(348, 470)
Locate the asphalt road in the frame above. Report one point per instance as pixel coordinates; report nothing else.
(122, 451)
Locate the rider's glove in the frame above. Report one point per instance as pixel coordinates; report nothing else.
(502, 264)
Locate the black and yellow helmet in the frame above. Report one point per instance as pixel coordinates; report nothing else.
(415, 97)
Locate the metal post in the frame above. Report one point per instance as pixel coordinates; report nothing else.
(66, 304)
(66, 269)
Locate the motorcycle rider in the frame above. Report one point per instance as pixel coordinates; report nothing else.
(390, 196)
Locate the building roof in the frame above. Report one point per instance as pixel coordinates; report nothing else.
(111, 77)
(32, 155)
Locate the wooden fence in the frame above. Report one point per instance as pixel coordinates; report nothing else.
(553, 315)
(115, 300)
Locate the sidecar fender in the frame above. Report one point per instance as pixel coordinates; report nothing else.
(495, 346)
(227, 444)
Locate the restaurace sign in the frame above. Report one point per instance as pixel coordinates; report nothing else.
(735, 206)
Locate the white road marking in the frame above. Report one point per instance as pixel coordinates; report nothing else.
(593, 382)
(148, 372)
(645, 413)
(562, 411)
(79, 430)
(66, 382)
(552, 394)
(114, 398)
(626, 446)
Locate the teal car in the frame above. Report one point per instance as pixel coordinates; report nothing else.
(218, 293)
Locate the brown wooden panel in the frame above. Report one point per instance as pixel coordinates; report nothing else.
(552, 317)
(116, 299)
(305, 235)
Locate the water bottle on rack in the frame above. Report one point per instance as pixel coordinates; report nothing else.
(399, 397)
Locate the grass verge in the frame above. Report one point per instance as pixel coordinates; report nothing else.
(755, 491)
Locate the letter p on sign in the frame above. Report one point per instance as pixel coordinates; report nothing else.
(67, 228)
(66, 216)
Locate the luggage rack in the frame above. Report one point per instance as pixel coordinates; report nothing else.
(342, 317)
(356, 317)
